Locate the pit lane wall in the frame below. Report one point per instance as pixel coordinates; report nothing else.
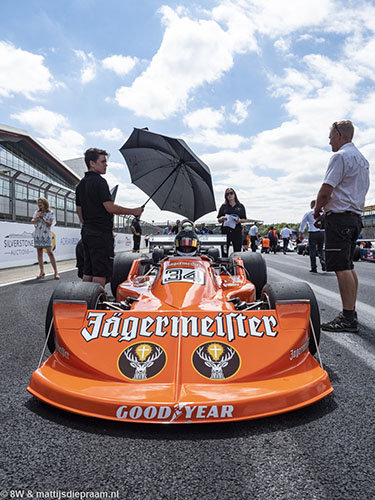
(17, 244)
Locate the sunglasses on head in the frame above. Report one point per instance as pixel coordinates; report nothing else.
(336, 128)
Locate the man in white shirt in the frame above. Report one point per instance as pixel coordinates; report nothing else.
(285, 234)
(254, 237)
(316, 239)
(342, 196)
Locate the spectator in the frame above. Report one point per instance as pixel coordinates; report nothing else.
(167, 230)
(95, 210)
(204, 229)
(254, 237)
(285, 234)
(316, 239)
(265, 245)
(177, 227)
(230, 215)
(137, 232)
(273, 235)
(43, 220)
(342, 197)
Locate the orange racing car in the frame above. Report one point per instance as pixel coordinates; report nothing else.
(190, 337)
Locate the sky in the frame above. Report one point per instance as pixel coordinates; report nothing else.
(251, 85)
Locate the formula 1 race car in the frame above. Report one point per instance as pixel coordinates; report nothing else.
(190, 337)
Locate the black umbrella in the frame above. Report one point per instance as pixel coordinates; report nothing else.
(170, 173)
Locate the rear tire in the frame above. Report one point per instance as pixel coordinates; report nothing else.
(295, 291)
(256, 268)
(91, 293)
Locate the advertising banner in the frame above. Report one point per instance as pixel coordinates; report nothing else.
(17, 244)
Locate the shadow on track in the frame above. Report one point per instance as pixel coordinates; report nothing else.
(181, 432)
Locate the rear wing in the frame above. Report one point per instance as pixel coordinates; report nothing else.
(167, 240)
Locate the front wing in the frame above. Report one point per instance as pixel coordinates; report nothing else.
(180, 366)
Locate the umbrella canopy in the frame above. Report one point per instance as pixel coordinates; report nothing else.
(168, 171)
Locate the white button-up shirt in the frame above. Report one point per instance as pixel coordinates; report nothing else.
(348, 174)
(308, 218)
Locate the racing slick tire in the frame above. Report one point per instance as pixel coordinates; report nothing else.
(91, 293)
(287, 290)
(300, 248)
(121, 267)
(357, 254)
(256, 269)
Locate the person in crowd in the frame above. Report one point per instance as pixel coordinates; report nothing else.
(136, 229)
(167, 230)
(204, 229)
(254, 236)
(285, 234)
(231, 214)
(43, 220)
(342, 198)
(316, 239)
(245, 244)
(265, 245)
(177, 227)
(95, 209)
(273, 235)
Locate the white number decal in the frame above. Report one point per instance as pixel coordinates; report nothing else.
(183, 275)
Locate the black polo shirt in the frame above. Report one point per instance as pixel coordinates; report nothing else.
(237, 209)
(91, 193)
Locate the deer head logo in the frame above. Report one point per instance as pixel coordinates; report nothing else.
(216, 360)
(142, 361)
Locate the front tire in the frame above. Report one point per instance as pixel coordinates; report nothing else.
(256, 268)
(91, 293)
(121, 267)
(295, 291)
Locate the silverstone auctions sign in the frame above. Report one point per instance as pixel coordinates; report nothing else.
(17, 244)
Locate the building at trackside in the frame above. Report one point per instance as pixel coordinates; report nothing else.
(28, 171)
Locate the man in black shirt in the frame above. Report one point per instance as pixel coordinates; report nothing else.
(137, 232)
(95, 210)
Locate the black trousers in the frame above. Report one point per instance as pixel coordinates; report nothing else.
(136, 242)
(253, 240)
(286, 243)
(316, 242)
(234, 237)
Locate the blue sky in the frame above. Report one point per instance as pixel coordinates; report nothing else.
(251, 85)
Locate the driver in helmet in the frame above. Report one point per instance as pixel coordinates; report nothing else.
(186, 241)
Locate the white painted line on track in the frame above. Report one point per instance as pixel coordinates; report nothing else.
(333, 297)
(31, 279)
(347, 340)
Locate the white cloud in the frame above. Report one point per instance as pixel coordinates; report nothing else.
(183, 62)
(52, 130)
(113, 134)
(282, 45)
(89, 67)
(204, 118)
(65, 144)
(121, 65)
(213, 138)
(42, 120)
(240, 112)
(22, 72)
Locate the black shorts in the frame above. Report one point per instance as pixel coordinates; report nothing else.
(98, 251)
(341, 234)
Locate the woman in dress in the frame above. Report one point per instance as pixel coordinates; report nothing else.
(231, 214)
(43, 219)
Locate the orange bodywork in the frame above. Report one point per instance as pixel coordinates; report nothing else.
(182, 353)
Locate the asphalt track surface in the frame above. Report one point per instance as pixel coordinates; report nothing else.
(324, 451)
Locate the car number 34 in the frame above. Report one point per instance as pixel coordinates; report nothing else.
(183, 275)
